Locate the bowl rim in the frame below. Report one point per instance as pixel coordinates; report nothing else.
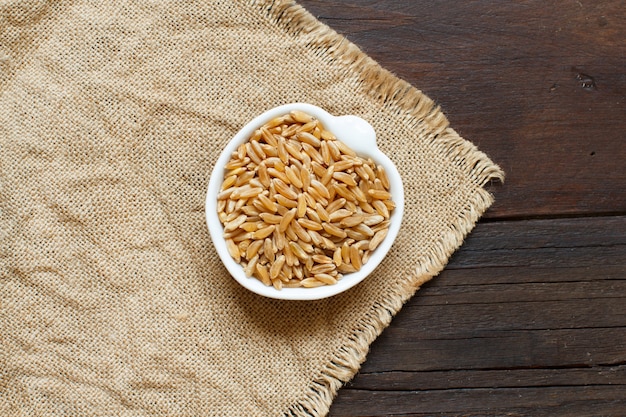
(349, 280)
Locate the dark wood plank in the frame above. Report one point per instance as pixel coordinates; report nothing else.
(531, 308)
(539, 86)
(490, 378)
(521, 349)
(544, 401)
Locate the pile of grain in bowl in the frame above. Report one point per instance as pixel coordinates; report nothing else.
(299, 207)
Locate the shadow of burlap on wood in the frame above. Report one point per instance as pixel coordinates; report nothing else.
(112, 298)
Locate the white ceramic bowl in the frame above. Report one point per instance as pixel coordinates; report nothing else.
(358, 135)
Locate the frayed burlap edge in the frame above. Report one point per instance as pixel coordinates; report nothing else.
(420, 112)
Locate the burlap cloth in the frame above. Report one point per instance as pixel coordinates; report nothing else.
(113, 301)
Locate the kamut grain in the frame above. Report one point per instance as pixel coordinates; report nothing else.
(337, 258)
(310, 224)
(308, 138)
(377, 239)
(293, 176)
(335, 153)
(311, 283)
(300, 208)
(285, 202)
(333, 230)
(287, 218)
(340, 214)
(302, 205)
(264, 232)
(325, 278)
(253, 249)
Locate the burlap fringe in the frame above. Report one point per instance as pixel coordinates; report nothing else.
(421, 113)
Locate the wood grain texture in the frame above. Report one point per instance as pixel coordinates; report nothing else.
(525, 320)
(529, 316)
(539, 86)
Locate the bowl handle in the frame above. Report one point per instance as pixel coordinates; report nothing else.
(354, 132)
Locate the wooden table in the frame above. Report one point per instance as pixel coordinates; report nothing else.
(529, 316)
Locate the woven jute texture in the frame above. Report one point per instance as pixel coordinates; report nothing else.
(113, 301)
